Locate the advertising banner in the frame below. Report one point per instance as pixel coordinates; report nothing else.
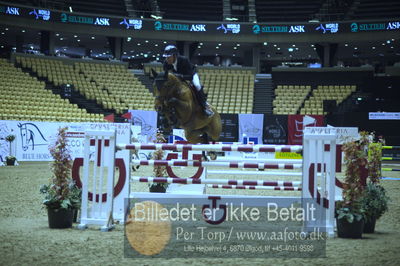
(32, 138)
(297, 123)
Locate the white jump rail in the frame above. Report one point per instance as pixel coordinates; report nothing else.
(317, 185)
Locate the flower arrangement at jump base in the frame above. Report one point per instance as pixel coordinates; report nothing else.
(10, 159)
(375, 199)
(61, 196)
(349, 212)
(362, 203)
(158, 170)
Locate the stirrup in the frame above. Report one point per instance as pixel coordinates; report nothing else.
(208, 112)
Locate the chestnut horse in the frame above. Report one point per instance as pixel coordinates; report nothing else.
(176, 103)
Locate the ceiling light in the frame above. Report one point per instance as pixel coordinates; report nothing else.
(294, 45)
(156, 44)
(346, 44)
(128, 39)
(78, 40)
(57, 34)
(355, 48)
(146, 41)
(23, 30)
(6, 28)
(70, 9)
(219, 44)
(61, 38)
(75, 36)
(93, 38)
(265, 43)
(201, 43)
(275, 45)
(373, 47)
(388, 41)
(238, 44)
(156, 17)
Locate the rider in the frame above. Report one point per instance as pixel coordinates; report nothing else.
(181, 65)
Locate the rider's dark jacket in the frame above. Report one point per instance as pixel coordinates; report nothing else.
(184, 67)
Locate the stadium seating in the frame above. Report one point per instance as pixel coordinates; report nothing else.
(230, 90)
(286, 11)
(206, 10)
(125, 91)
(25, 98)
(109, 84)
(289, 98)
(372, 9)
(314, 105)
(107, 7)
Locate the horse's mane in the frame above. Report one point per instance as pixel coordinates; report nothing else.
(174, 83)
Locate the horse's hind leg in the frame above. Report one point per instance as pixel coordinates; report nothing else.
(214, 128)
(205, 141)
(197, 136)
(211, 154)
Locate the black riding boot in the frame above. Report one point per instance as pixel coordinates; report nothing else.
(201, 97)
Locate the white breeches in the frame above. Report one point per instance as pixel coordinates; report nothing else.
(196, 82)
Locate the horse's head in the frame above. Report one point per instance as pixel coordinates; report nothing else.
(165, 84)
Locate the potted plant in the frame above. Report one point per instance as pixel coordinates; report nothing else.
(375, 200)
(375, 204)
(158, 170)
(349, 211)
(61, 195)
(10, 160)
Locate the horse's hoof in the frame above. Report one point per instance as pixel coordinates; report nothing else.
(213, 156)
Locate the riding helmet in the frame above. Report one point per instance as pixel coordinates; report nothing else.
(170, 50)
